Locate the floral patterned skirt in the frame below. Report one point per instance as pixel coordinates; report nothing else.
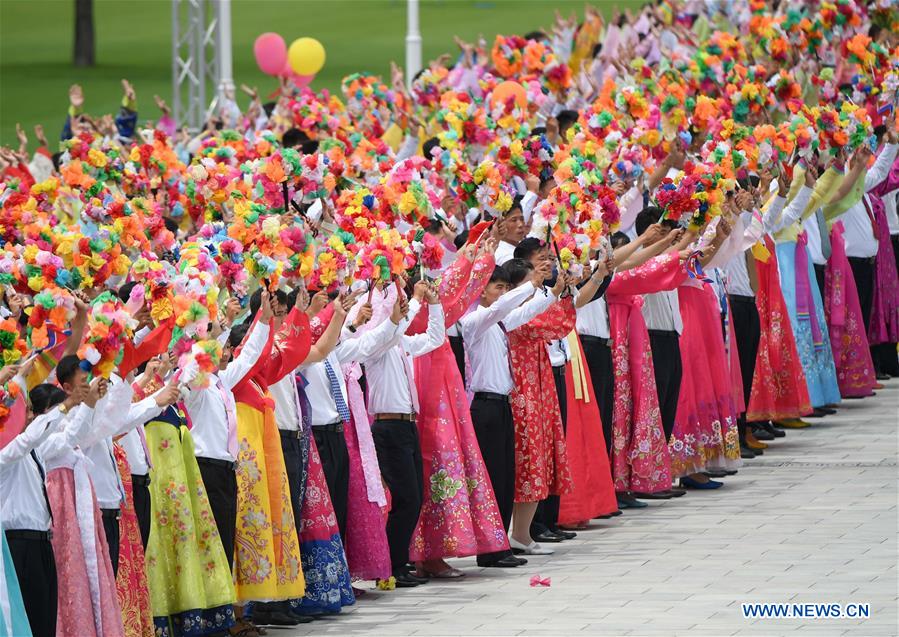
(459, 516)
(705, 426)
(816, 356)
(267, 553)
(328, 587)
(87, 596)
(190, 582)
(131, 580)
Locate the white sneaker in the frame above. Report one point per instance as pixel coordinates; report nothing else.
(531, 549)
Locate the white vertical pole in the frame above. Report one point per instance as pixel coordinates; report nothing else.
(413, 42)
(225, 78)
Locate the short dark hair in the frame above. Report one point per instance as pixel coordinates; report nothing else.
(429, 146)
(236, 336)
(518, 270)
(646, 217)
(516, 203)
(45, 397)
(535, 35)
(500, 275)
(527, 247)
(619, 239)
(256, 299)
(566, 118)
(66, 368)
(124, 292)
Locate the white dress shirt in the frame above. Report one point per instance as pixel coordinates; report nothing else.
(366, 346)
(889, 208)
(505, 251)
(389, 387)
(111, 421)
(206, 406)
(861, 242)
(593, 319)
(813, 236)
(486, 344)
(133, 447)
(558, 351)
(23, 505)
(661, 311)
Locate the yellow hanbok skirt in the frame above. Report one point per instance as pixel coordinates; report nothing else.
(267, 553)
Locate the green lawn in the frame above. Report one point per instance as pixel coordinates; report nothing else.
(134, 41)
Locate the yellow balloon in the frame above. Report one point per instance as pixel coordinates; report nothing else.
(306, 56)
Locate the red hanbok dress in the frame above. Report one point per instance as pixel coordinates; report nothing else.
(779, 390)
(459, 516)
(848, 341)
(640, 460)
(592, 493)
(541, 463)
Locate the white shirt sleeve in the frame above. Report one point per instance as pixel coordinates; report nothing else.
(408, 148)
(30, 437)
(793, 212)
(368, 345)
(476, 324)
(248, 356)
(70, 433)
(421, 344)
(536, 306)
(528, 202)
(881, 168)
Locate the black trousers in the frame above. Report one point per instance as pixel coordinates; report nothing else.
(820, 271)
(35, 567)
(220, 481)
(399, 454)
(111, 527)
(492, 421)
(599, 362)
(547, 516)
(140, 487)
(458, 348)
(336, 466)
(863, 273)
(747, 330)
(669, 371)
(295, 452)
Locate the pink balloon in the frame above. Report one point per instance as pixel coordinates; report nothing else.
(271, 53)
(299, 80)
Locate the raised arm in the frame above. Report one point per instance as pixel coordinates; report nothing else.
(241, 365)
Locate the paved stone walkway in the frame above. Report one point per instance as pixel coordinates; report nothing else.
(813, 520)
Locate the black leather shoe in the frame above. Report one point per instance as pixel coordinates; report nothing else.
(510, 561)
(565, 535)
(762, 434)
(418, 578)
(304, 619)
(677, 492)
(274, 618)
(405, 580)
(774, 431)
(659, 495)
(746, 453)
(548, 537)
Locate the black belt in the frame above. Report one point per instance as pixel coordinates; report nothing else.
(399, 417)
(23, 534)
(215, 462)
(663, 332)
(595, 339)
(489, 395)
(112, 514)
(334, 427)
(559, 371)
(140, 480)
(862, 259)
(290, 434)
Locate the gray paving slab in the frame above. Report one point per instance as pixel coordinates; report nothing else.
(814, 520)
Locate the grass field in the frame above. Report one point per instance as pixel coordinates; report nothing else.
(134, 41)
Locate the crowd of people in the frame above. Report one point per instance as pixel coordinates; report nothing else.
(333, 339)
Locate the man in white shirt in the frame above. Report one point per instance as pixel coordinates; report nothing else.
(511, 229)
(329, 406)
(393, 403)
(72, 374)
(484, 332)
(213, 416)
